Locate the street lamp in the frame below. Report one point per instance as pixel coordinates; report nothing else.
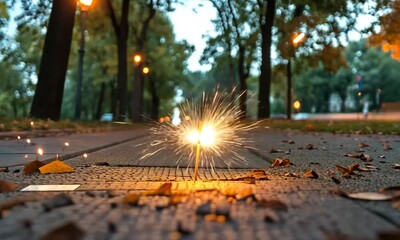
(296, 39)
(84, 6)
(146, 70)
(137, 93)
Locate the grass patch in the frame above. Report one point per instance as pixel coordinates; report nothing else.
(337, 126)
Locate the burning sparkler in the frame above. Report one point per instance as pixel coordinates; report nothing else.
(210, 131)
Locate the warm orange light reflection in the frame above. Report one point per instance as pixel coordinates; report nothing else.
(359, 94)
(40, 151)
(298, 38)
(86, 3)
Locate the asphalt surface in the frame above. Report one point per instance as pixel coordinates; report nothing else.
(227, 202)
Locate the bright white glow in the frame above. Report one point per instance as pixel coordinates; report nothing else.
(18, 137)
(85, 155)
(28, 141)
(206, 136)
(66, 144)
(40, 151)
(299, 38)
(176, 120)
(46, 188)
(86, 2)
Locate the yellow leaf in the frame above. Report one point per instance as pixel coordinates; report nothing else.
(56, 166)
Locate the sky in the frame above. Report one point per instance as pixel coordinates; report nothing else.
(191, 26)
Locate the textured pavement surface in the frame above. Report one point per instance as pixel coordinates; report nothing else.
(227, 202)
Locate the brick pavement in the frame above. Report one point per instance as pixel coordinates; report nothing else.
(282, 208)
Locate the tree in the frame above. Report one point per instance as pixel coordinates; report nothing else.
(121, 32)
(48, 96)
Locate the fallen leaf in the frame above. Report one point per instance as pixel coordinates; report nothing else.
(163, 190)
(382, 156)
(4, 169)
(59, 200)
(131, 199)
(271, 217)
(311, 174)
(352, 155)
(291, 175)
(56, 166)
(276, 150)
(105, 164)
(272, 204)
(68, 230)
(335, 180)
(310, 147)
(396, 166)
(282, 162)
(245, 194)
(362, 145)
(33, 167)
(288, 141)
(365, 157)
(386, 146)
(354, 167)
(370, 196)
(258, 174)
(309, 127)
(6, 186)
(342, 169)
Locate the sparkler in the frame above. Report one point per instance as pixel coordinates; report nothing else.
(210, 131)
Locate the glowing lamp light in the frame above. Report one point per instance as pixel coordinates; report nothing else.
(297, 105)
(19, 137)
(359, 94)
(299, 38)
(137, 58)
(85, 155)
(28, 141)
(40, 151)
(66, 144)
(146, 70)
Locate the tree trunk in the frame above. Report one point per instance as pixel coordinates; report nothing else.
(155, 100)
(242, 81)
(49, 91)
(101, 100)
(266, 24)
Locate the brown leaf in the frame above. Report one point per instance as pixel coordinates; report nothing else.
(132, 199)
(389, 235)
(291, 175)
(256, 174)
(4, 169)
(342, 169)
(353, 155)
(354, 167)
(271, 217)
(56, 166)
(396, 166)
(362, 145)
(276, 150)
(370, 196)
(310, 147)
(273, 204)
(365, 157)
(6, 186)
(33, 167)
(335, 180)
(283, 162)
(310, 174)
(386, 146)
(163, 190)
(245, 194)
(68, 230)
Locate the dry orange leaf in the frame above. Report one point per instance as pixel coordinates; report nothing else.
(163, 190)
(311, 174)
(131, 199)
(6, 186)
(56, 166)
(283, 162)
(33, 167)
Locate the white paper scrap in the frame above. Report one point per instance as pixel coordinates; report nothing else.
(48, 188)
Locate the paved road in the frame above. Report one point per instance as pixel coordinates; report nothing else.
(349, 116)
(225, 204)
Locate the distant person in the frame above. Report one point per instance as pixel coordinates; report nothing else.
(365, 109)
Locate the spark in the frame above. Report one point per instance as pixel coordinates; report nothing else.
(210, 130)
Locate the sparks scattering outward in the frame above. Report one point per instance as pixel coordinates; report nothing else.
(210, 130)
